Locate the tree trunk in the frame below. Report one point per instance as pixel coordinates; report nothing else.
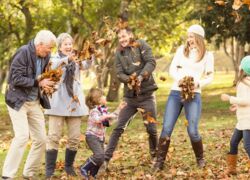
(113, 93)
(236, 54)
(3, 76)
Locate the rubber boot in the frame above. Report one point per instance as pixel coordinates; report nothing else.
(51, 156)
(231, 164)
(162, 153)
(198, 151)
(69, 160)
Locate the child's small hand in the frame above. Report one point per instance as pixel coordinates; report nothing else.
(225, 97)
(111, 115)
(233, 107)
(122, 105)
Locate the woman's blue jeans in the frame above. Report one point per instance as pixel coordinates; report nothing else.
(173, 109)
(236, 138)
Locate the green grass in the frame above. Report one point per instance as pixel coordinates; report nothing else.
(131, 159)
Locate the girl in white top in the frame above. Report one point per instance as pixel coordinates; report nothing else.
(240, 103)
(191, 59)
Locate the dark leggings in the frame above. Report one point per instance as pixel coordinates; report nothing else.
(236, 138)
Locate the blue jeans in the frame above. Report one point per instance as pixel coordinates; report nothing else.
(192, 112)
(236, 138)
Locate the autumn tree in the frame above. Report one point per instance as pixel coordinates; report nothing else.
(159, 22)
(227, 24)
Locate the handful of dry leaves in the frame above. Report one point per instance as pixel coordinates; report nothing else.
(187, 88)
(54, 75)
(134, 83)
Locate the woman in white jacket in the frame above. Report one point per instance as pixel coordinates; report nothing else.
(67, 106)
(240, 103)
(191, 59)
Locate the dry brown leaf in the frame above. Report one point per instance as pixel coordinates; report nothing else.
(75, 99)
(150, 119)
(162, 78)
(137, 63)
(209, 8)
(141, 110)
(221, 3)
(60, 165)
(186, 122)
(82, 138)
(54, 75)
(186, 85)
(237, 4)
(73, 110)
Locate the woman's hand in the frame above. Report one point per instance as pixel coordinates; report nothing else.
(233, 107)
(225, 97)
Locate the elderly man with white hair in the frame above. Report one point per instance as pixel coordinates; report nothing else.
(23, 99)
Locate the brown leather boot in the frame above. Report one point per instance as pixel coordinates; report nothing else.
(162, 152)
(231, 163)
(198, 151)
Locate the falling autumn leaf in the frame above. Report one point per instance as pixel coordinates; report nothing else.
(150, 119)
(73, 110)
(220, 3)
(136, 63)
(82, 138)
(60, 165)
(162, 78)
(75, 99)
(134, 43)
(237, 4)
(237, 16)
(141, 110)
(209, 8)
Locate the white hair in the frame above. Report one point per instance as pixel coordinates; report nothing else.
(45, 37)
(61, 37)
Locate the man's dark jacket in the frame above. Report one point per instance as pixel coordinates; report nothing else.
(137, 60)
(22, 77)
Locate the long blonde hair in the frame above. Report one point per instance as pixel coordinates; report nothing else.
(199, 40)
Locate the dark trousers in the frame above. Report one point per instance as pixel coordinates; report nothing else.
(236, 138)
(148, 104)
(97, 147)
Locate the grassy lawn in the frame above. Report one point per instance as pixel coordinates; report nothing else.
(131, 159)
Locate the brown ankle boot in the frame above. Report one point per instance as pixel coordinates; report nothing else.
(231, 163)
(198, 151)
(162, 152)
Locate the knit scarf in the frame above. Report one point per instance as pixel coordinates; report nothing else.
(69, 75)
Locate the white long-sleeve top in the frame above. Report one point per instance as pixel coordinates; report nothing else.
(242, 100)
(202, 71)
